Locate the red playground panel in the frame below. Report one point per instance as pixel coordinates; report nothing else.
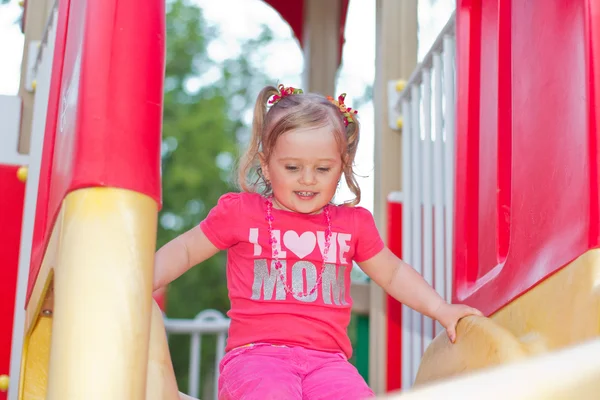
(394, 308)
(11, 217)
(105, 106)
(527, 144)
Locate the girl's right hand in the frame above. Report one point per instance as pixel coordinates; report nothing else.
(448, 316)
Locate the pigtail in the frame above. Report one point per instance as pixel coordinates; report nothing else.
(250, 159)
(352, 131)
(352, 139)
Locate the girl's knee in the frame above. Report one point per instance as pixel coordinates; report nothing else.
(268, 391)
(336, 380)
(347, 390)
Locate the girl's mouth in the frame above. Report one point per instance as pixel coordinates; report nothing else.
(306, 195)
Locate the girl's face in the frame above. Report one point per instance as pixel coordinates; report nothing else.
(304, 169)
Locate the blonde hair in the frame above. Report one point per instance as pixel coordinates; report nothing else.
(295, 111)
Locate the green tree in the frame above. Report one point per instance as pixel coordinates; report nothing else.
(202, 127)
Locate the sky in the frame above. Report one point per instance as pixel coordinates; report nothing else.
(356, 73)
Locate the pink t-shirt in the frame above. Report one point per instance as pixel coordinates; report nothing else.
(261, 310)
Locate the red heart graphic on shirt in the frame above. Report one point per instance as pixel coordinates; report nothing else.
(300, 245)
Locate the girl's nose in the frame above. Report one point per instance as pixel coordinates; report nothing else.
(308, 177)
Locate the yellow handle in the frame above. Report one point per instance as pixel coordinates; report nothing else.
(22, 174)
(4, 380)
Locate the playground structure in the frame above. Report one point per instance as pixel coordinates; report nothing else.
(496, 201)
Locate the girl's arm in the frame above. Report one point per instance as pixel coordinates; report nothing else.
(180, 254)
(407, 286)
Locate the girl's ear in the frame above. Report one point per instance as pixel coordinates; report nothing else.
(264, 166)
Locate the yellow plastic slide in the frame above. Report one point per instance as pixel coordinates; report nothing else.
(570, 373)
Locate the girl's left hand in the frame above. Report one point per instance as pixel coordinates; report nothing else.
(449, 314)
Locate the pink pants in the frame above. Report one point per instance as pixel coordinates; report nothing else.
(265, 372)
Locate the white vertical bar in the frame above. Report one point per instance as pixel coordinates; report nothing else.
(417, 220)
(449, 125)
(407, 182)
(427, 200)
(219, 356)
(438, 184)
(194, 373)
(407, 236)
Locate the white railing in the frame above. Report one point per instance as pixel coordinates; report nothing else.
(207, 322)
(427, 108)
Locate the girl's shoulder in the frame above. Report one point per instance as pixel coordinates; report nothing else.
(354, 216)
(344, 210)
(239, 201)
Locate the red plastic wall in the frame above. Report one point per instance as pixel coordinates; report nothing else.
(11, 215)
(105, 106)
(527, 149)
(592, 32)
(394, 308)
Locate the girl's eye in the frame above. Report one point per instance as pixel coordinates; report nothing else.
(324, 169)
(291, 168)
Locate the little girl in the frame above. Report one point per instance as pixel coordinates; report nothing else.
(290, 252)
